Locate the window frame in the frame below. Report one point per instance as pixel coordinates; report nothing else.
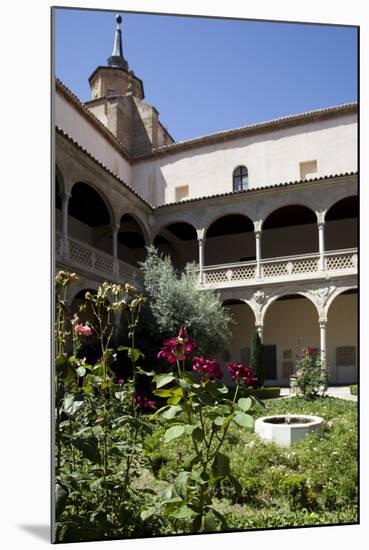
(239, 173)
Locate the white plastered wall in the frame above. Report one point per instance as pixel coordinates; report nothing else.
(271, 158)
(291, 325)
(342, 331)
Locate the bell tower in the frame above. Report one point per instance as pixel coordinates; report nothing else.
(117, 101)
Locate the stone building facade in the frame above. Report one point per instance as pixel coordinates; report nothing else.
(269, 212)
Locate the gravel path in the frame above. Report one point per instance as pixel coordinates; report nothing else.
(342, 392)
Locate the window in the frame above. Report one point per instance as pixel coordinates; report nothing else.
(181, 193)
(308, 169)
(345, 356)
(110, 92)
(240, 179)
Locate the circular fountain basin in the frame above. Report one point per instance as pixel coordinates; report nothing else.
(286, 429)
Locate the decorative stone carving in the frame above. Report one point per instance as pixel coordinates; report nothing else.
(321, 217)
(289, 267)
(259, 297)
(321, 295)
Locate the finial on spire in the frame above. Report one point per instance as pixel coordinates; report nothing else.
(117, 59)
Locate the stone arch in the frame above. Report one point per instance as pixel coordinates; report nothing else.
(132, 240)
(230, 239)
(140, 222)
(182, 238)
(290, 323)
(173, 221)
(223, 213)
(277, 239)
(90, 216)
(337, 292)
(103, 196)
(341, 229)
(280, 293)
(291, 203)
(79, 286)
(332, 198)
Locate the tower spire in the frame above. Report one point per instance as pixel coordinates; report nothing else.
(117, 59)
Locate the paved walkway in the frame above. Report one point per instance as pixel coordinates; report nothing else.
(342, 392)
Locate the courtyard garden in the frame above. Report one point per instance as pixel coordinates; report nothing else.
(149, 440)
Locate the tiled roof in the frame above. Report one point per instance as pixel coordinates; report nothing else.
(251, 129)
(256, 189)
(87, 114)
(71, 140)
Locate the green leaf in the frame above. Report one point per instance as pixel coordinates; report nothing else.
(171, 412)
(184, 384)
(61, 499)
(163, 393)
(198, 434)
(81, 371)
(71, 405)
(145, 372)
(220, 516)
(237, 485)
(89, 448)
(245, 403)
(196, 524)
(180, 484)
(189, 428)
(163, 379)
(183, 512)
(156, 413)
(148, 513)
(174, 400)
(244, 420)
(173, 433)
(64, 368)
(220, 465)
(219, 420)
(210, 521)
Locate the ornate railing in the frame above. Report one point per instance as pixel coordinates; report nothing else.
(79, 255)
(337, 262)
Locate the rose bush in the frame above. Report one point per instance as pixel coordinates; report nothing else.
(198, 407)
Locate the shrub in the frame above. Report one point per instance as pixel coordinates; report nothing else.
(312, 378)
(298, 494)
(174, 302)
(353, 389)
(256, 361)
(264, 393)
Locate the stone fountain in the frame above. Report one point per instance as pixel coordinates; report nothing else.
(285, 429)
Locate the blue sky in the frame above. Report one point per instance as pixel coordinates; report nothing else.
(205, 75)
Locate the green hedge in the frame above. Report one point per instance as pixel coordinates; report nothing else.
(353, 389)
(265, 393)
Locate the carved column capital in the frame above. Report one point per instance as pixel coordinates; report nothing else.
(257, 226)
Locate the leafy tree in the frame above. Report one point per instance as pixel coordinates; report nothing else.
(256, 360)
(174, 301)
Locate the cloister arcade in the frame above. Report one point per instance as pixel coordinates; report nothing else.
(284, 260)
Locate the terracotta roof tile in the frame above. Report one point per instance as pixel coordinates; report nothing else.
(69, 138)
(260, 127)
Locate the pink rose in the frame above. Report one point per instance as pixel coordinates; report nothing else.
(83, 330)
